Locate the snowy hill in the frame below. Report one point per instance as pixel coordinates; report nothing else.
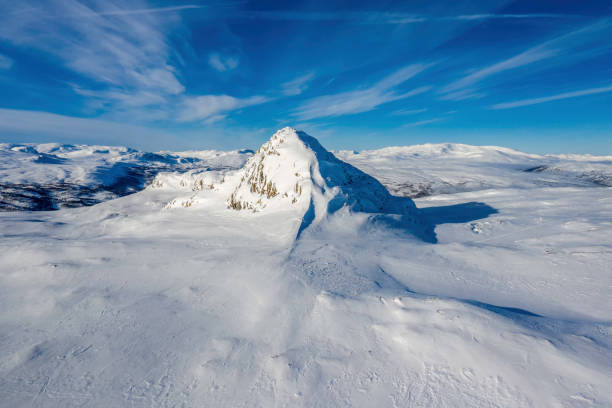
(172, 296)
(51, 176)
(422, 170)
(293, 171)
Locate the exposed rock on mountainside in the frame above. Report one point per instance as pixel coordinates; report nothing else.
(293, 169)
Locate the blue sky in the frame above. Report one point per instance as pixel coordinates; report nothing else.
(532, 75)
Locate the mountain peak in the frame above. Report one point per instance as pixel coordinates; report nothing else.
(293, 170)
(275, 174)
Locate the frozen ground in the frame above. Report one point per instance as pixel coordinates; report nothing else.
(168, 298)
(50, 176)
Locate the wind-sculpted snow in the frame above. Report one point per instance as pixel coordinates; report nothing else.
(53, 176)
(171, 298)
(420, 171)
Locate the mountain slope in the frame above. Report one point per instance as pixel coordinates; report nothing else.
(137, 303)
(52, 176)
(429, 169)
(292, 171)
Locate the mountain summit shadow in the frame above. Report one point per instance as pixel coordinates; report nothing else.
(360, 192)
(364, 193)
(455, 214)
(292, 170)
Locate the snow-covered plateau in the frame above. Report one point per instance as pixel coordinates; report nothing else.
(434, 275)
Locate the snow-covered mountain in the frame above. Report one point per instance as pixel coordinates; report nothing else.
(178, 296)
(422, 170)
(51, 176)
(293, 171)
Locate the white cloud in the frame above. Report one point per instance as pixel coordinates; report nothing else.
(124, 99)
(5, 62)
(206, 107)
(43, 125)
(222, 63)
(405, 112)
(124, 49)
(425, 122)
(573, 46)
(489, 16)
(462, 95)
(527, 57)
(566, 95)
(33, 126)
(297, 85)
(377, 17)
(124, 12)
(362, 100)
(214, 119)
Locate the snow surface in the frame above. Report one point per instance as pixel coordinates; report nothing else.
(51, 176)
(146, 300)
(422, 170)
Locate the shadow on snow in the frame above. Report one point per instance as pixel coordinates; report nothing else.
(429, 218)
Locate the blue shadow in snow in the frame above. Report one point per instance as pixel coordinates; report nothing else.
(363, 193)
(429, 218)
(454, 214)
(458, 213)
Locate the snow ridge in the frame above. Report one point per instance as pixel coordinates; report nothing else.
(292, 169)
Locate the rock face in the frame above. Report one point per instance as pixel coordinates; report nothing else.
(292, 169)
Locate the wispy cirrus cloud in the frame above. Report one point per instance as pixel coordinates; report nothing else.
(462, 95)
(406, 112)
(573, 46)
(214, 107)
(425, 122)
(297, 85)
(379, 17)
(50, 125)
(222, 63)
(527, 57)
(544, 99)
(123, 49)
(127, 11)
(34, 126)
(5, 62)
(362, 100)
(492, 16)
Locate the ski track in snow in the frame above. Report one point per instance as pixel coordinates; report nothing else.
(134, 302)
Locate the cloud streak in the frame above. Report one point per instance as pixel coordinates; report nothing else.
(406, 112)
(377, 17)
(527, 57)
(5, 62)
(363, 100)
(53, 126)
(575, 45)
(297, 85)
(222, 63)
(544, 99)
(126, 12)
(124, 50)
(212, 108)
(425, 122)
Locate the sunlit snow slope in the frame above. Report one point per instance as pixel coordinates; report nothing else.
(177, 296)
(51, 176)
(423, 170)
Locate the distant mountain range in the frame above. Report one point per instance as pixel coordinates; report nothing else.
(52, 176)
